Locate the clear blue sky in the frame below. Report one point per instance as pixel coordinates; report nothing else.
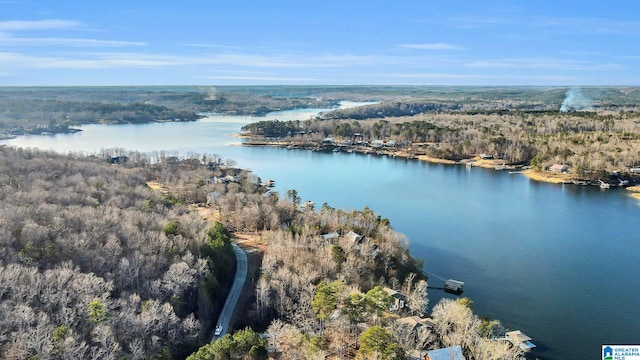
(412, 42)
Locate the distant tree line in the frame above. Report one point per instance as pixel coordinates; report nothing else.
(37, 110)
(18, 116)
(591, 142)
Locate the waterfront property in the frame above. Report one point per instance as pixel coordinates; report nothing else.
(520, 339)
(453, 286)
(398, 300)
(354, 237)
(415, 322)
(559, 168)
(330, 237)
(449, 353)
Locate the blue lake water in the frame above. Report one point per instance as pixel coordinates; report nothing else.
(559, 262)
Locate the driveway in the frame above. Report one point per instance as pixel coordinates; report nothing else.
(236, 288)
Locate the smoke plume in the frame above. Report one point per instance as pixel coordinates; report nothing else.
(575, 100)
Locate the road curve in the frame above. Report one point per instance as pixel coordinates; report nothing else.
(234, 294)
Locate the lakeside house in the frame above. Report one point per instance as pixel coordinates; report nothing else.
(224, 179)
(559, 168)
(330, 237)
(172, 160)
(354, 237)
(398, 300)
(448, 353)
(377, 143)
(364, 245)
(119, 159)
(191, 162)
(416, 322)
(412, 325)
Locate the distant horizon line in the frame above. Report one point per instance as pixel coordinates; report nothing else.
(325, 85)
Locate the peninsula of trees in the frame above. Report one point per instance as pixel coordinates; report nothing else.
(102, 260)
(593, 131)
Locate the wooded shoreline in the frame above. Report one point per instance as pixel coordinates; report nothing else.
(411, 154)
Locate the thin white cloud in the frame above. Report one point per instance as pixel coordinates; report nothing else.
(474, 79)
(47, 24)
(261, 78)
(74, 42)
(476, 76)
(479, 22)
(253, 62)
(553, 24)
(213, 46)
(90, 61)
(541, 63)
(102, 60)
(431, 46)
(588, 25)
(9, 28)
(582, 53)
(434, 76)
(522, 37)
(294, 61)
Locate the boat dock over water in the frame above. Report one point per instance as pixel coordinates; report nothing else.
(453, 286)
(519, 339)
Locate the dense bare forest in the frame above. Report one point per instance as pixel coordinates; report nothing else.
(96, 264)
(104, 261)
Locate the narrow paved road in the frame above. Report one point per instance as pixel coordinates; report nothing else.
(234, 294)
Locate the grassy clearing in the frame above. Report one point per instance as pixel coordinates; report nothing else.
(546, 177)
